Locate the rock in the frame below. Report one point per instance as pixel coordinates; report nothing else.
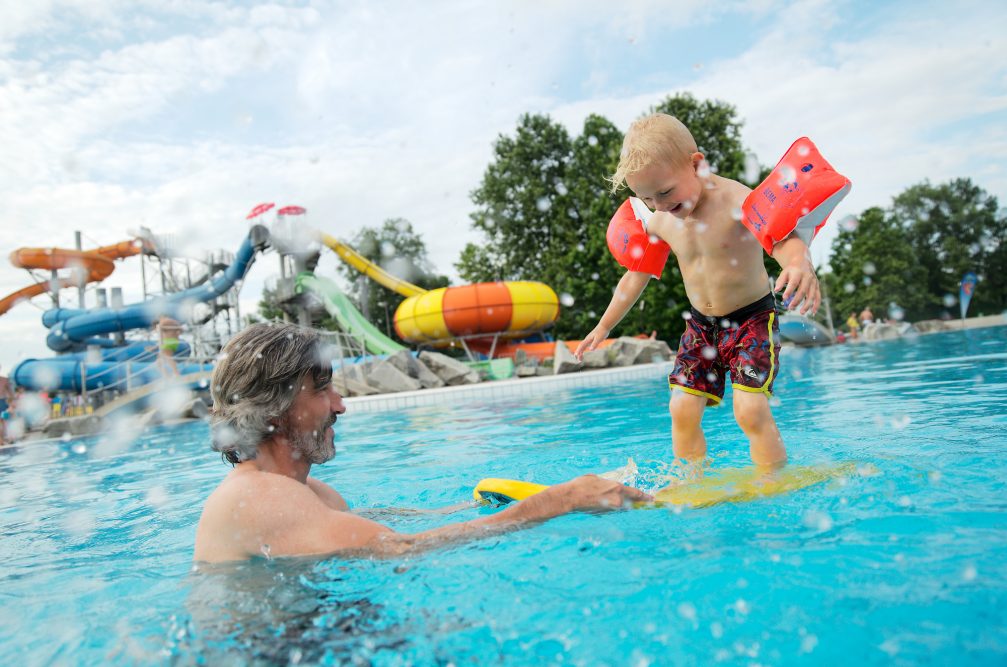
(387, 378)
(656, 351)
(415, 369)
(348, 387)
(451, 371)
(526, 371)
(626, 350)
(563, 360)
(926, 326)
(144, 419)
(196, 409)
(597, 358)
(880, 331)
(87, 425)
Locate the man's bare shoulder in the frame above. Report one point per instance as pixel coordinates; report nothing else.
(254, 512)
(327, 494)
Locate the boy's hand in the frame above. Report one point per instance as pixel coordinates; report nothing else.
(591, 341)
(802, 287)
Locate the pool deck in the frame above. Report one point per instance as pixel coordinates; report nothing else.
(505, 389)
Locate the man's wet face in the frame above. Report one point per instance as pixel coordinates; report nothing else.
(315, 443)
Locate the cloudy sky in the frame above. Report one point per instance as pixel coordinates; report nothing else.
(181, 115)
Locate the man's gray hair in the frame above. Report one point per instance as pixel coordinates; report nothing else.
(257, 376)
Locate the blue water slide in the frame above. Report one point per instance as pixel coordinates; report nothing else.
(142, 348)
(71, 374)
(75, 329)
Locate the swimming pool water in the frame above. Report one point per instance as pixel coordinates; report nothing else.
(904, 565)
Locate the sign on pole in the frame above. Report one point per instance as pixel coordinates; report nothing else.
(968, 286)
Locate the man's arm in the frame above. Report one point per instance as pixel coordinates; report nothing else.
(627, 292)
(798, 274)
(583, 493)
(291, 520)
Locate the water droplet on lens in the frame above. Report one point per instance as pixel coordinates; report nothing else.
(751, 170)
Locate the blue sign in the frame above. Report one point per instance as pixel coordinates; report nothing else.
(968, 286)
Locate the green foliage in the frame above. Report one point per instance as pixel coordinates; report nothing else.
(544, 206)
(397, 248)
(268, 308)
(521, 206)
(715, 127)
(955, 227)
(914, 254)
(873, 265)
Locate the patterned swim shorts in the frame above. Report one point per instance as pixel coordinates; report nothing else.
(745, 343)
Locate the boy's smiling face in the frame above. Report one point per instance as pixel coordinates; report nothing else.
(675, 190)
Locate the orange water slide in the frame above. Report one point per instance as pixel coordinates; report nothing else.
(86, 266)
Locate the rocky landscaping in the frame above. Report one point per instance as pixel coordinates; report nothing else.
(404, 372)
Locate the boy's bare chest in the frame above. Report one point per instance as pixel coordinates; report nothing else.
(721, 239)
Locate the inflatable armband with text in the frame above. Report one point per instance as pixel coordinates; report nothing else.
(630, 243)
(796, 197)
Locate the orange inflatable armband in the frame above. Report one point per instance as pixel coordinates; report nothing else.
(796, 197)
(630, 243)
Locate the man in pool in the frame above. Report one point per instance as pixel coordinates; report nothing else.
(274, 407)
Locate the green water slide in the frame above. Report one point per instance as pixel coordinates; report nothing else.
(350, 319)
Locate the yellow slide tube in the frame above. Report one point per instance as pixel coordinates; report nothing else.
(369, 268)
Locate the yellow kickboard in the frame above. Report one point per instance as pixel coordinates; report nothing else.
(730, 485)
(739, 485)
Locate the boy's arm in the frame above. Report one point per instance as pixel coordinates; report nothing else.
(798, 274)
(629, 289)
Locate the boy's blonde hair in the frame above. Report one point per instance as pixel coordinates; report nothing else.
(654, 138)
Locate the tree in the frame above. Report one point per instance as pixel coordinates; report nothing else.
(544, 205)
(955, 227)
(588, 272)
(397, 248)
(873, 265)
(521, 206)
(715, 127)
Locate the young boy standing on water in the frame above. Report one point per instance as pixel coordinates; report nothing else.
(732, 325)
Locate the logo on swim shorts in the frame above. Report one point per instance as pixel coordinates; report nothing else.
(750, 372)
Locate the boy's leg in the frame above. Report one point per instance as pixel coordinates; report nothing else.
(755, 418)
(687, 439)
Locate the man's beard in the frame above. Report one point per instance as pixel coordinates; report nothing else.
(314, 447)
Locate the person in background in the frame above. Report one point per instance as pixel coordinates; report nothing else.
(168, 331)
(274, 408)
(6, 407)
(866, 316)
(852, 324)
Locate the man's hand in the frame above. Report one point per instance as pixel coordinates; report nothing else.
(591, 492)
(591, 341)
(802, 287)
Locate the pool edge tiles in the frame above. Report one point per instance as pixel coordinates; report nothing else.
(499, 389)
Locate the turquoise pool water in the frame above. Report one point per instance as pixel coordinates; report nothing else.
(905, 566)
